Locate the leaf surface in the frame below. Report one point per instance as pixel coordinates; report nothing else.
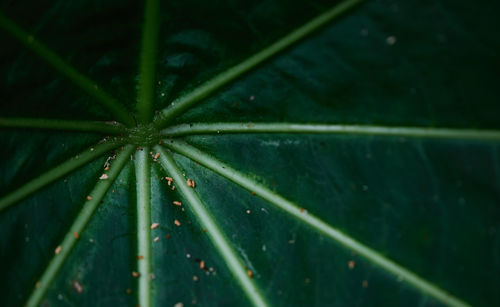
(430, 205)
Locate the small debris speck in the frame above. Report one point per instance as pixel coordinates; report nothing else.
(191, 183)
(351, 264)
(78, 287)
(58, 249)
(136, 274)
(365, 284)
(250, 273)
(154, 225)
(177, 223)
(76, 235)
(156, 239)
(177, 203)
(248, 212)
(103, 177)
(391, 40)
(157, 155)
(128, 291)
(202, 264)
(88, 197)
(188, 255)
(195, 278)
(251, 98)
(180, 304)
(140, 257)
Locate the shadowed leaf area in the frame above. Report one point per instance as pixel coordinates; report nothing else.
(166, 208)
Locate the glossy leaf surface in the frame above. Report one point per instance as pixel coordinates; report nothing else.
(410, 219)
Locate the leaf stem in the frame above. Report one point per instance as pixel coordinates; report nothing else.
(314, 222)
(57, 172)
(215, 234)
(78, 227)
(51, 58)
(60, 124)
(182, 103)
(148, 61)
(294, 128)
(143, 187)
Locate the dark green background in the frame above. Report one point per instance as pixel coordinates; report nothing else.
(433, 206)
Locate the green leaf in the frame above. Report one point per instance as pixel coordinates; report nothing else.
(260, 153)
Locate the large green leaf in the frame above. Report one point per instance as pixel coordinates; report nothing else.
(344, 153)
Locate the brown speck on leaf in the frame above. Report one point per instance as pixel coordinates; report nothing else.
(128, 291)
(365, 284)
(88, 197)
(140, 257)
(302, 210)
(253, 193)
(76, 235)
(204, 230)
(103, 177)
(177, 223)
(157, 155)
(106, 168)
(78, 287)
(202, 264)
(211, 269)
(177, 203)
(136, 274)
(156, 239)
(250, 273)
(173, 187)
(58, 249)
(195, 278)
(169, 179)
(351, 264)
(195, 162)
(38, 284)
(154, 225)
(168, 236)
